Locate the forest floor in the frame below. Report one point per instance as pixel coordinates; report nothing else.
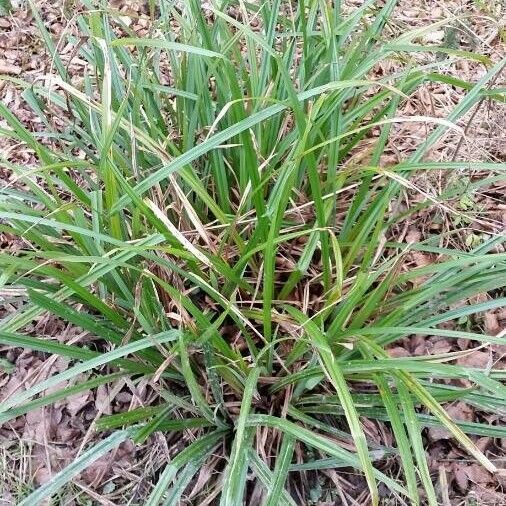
(64, 428)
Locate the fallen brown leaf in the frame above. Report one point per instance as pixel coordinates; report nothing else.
(478, 474)
(103, 400)
(9, 68)
(460, 476)
(479, 359)
(459, 411)
(76, 402)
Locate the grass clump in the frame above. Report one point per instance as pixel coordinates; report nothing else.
(201, 214)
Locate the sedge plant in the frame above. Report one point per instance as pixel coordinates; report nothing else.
(200, 215)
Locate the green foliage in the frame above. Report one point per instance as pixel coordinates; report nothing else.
(5, 7)
(174, 206)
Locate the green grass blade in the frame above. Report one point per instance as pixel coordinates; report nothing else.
(235, 472)
(195, 451)
(280, 473)
(332, 369)
(72, 470)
